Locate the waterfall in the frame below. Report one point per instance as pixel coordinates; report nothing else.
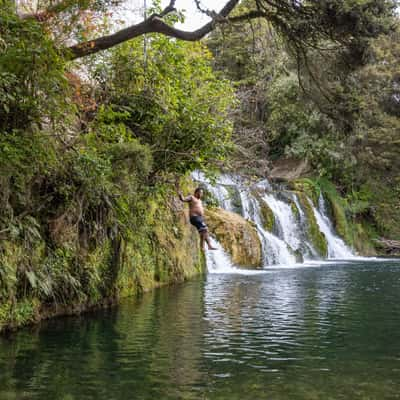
(219, 190)
(288, 243)
(291, 228)
(218, 260)
(336, 246)
(275, 250)
(309, 250)
(285, 221)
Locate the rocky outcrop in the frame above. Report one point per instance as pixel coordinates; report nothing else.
(237, 236)
(288, 169)
(390, 247)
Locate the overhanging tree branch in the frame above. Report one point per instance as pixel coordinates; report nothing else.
(302, 24)
(154, 24)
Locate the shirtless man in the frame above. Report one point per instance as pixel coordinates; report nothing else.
(196, 212)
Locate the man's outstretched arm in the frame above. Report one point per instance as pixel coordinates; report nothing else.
(186, 199)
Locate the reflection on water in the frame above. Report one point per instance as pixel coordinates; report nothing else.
(328, 332)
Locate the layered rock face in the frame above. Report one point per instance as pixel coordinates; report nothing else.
(237, 236)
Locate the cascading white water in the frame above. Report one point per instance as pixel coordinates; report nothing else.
(289, 236)
(308, 248)
(218, 190)
(286, 221)
(275, 250)
(218, 260)
(336, 246)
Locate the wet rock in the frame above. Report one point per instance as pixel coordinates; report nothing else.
(237, 236)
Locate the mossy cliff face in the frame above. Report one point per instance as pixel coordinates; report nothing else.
(171, 254)
(237, 236)
(357, 235)
(38, 282)
(363, 242)
(355, 229)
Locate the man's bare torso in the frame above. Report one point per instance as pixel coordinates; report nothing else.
(196, 207)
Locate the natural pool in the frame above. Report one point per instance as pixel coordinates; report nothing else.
(319, 332)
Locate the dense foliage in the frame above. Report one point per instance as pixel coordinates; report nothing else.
(171, 100)
(85, 158)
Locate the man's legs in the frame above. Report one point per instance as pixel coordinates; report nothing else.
(202, 239)
(205, 237)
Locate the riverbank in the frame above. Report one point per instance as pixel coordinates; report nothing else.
(57, 282)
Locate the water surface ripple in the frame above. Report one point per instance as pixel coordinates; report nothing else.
(328, 332)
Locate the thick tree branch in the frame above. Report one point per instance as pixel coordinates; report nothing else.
(154, 24)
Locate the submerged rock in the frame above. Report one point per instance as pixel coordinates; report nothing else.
(237, 236)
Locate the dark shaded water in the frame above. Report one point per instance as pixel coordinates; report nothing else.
(330, 332)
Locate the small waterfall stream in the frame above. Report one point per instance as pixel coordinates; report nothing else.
(288, 242)
(336, 246)
(286, 222)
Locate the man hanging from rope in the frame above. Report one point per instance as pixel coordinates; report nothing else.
(196, 213)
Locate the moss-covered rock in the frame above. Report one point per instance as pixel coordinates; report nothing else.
(337, 208)
(14, 315)
(307, 186)
(237, 236)
(316, 237)
(340, 221)
(267, 215)
(353, 222)
(356, 233)
(295, 210)
(364, 239)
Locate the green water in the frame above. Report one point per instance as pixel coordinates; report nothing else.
(329, 332)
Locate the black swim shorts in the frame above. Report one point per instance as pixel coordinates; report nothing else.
(198, 222)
